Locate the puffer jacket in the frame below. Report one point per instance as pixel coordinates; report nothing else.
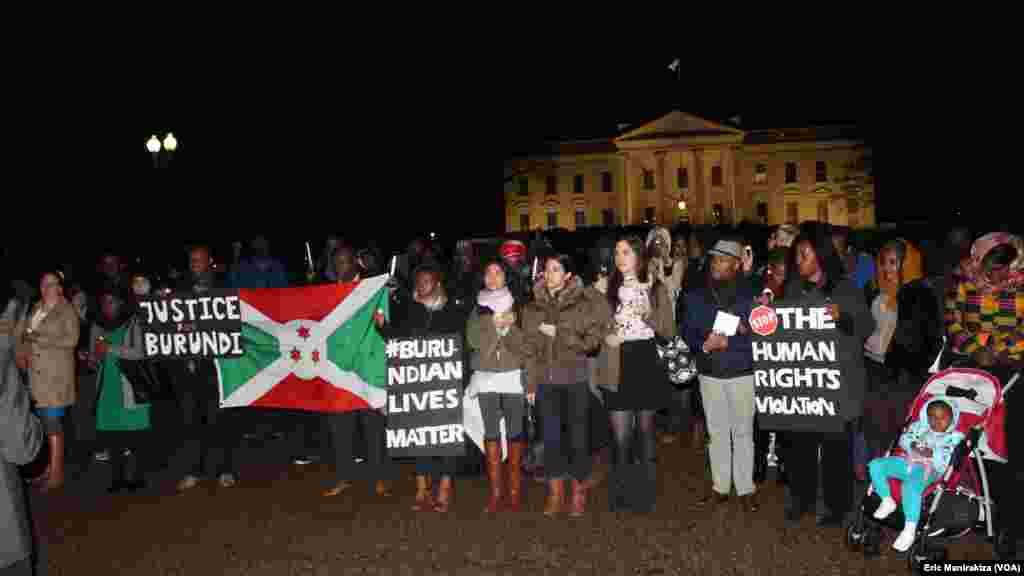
(492, 352)
(581, 324)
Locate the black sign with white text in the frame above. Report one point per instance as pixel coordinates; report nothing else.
(207, 325)
(425, 397)
(798, 383)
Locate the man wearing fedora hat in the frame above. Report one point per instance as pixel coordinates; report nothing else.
(725, 364)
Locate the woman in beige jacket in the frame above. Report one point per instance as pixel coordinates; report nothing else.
(45, 346)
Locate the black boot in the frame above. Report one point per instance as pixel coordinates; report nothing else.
(127, 472)
(645, 487)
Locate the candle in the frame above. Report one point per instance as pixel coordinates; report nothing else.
(309, 255)
(394, 262)
(534, 278)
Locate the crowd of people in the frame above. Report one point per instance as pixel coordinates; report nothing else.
(563, 347)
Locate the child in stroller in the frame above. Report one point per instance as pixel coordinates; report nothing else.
(929, 444)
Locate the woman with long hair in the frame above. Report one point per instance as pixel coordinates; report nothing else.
(816, 278)
(494, 337)
(562, 326)
(45, 346)
(636, 386)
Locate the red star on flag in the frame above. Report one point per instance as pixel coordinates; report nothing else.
(303, 332)
(296, 355)
(316, 356)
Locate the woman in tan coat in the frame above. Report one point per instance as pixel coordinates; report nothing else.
(636, 386)
(45, 346)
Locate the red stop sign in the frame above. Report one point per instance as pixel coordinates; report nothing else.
(763, 321)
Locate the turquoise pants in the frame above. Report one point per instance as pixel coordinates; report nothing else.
(914, 483)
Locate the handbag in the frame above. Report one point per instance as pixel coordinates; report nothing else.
(142, 375)
(678, 362)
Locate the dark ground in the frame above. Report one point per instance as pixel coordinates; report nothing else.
(274, 522)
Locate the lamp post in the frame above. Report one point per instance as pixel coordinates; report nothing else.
(162, 152)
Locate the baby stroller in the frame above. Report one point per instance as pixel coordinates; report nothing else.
(960, 500)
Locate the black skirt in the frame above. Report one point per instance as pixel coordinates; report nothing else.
(643, 383)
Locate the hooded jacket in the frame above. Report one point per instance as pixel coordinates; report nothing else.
(942, 443)
(21, 437)
(581, 324)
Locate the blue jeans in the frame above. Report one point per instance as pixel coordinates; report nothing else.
(569, 455)
(914, 483)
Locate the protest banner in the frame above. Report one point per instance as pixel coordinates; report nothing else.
(207, 325)
(798, 383)
(425, 397)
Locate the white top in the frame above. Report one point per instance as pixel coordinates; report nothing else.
(634, 305)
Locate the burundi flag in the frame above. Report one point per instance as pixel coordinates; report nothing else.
(313, 348)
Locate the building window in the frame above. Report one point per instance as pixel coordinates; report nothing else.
(608, 218)
(792, 213)
(553, 219)
(760, 174)
(648, 179)
(717, 213)
(853, 211)
(820, 171)
(524, 222)
(581, 218)
(791, 173)
(683, 178)
(524, 186)
(822, 210)
(762, 212)
(716, 175)
(577, 184)
(649, 215)
(606, 182)
(552, 182)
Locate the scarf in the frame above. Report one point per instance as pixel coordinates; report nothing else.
(981, 247)
(499, 301)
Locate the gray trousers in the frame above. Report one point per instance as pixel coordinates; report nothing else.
(494, 406)
(729, 413)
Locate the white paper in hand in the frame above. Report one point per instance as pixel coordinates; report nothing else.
(726, 324)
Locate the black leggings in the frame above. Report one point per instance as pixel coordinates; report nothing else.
(633, 428)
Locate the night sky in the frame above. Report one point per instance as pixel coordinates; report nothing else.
(367, 149)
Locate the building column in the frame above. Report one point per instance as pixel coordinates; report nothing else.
(627, 214)
(697, 212)
(661, 188)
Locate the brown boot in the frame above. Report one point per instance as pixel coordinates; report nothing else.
(493, 452)
(382, 488)
(699, 442)
(513, 492)
(423, 497)
(579, 499)
(55, 471)
(599, 470)
(556, 493)
(444, 495)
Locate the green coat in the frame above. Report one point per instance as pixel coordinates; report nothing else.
(111, 413)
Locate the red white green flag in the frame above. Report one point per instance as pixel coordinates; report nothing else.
(313, 348)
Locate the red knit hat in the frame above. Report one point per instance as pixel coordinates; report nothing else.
(513, 250)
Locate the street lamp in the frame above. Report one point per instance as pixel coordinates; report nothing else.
(162, 152)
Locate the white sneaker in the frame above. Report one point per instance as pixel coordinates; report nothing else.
(103, 456)
(906, 538)
(887, 507)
